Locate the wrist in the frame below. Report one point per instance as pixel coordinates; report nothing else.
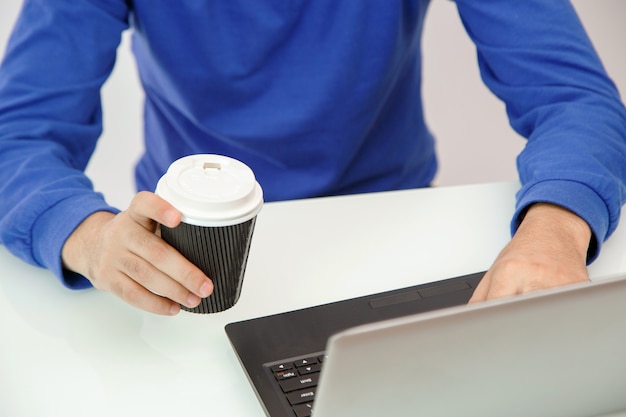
(82, 243)
(553, 222)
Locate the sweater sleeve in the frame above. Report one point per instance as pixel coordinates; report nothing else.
(536, 57)
(59, 55)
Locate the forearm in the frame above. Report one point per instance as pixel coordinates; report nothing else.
(50, 120)
(536, 57)
(41, 202)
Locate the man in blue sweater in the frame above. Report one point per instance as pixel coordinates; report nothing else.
(319, 98)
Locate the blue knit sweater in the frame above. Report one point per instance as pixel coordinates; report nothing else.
(319, 97)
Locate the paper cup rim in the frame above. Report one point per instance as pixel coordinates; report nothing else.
(201, 210)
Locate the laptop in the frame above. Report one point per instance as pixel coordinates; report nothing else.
(421, 351)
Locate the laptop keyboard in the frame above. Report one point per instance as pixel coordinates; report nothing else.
(298, 380)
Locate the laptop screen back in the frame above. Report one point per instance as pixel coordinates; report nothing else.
(556, 353)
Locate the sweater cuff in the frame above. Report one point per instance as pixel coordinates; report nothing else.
(53, 228)
(574, 196)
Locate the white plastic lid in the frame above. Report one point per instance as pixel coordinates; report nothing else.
(211, 190)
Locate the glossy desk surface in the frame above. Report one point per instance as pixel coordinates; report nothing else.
(76, 353)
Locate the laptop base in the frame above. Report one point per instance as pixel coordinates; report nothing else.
(265, 342)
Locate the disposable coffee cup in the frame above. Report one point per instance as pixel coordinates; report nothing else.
(219, 199)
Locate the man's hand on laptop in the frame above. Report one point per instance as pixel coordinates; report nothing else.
(548, 250)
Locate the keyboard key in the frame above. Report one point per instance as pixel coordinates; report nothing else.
(286, 374)
(301, 397)
(303, 410)
(305, 370)
(294, 384)
(305, 362)
(282, 367)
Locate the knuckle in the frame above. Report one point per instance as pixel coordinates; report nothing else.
(189, 274)
(135, 269)
(192, 277)
(160, 248)
(149, 244)
(117, 288)
(140, 198)
(136, 295)
(129, 293)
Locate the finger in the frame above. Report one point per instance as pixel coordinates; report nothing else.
(136, 295)
(169, 262)
(497, 284)
(157, 282)
(129, 291)
(482, 289)
(147, 208)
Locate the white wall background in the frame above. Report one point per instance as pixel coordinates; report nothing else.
(475, 142)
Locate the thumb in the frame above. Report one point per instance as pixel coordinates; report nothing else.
(147, 208)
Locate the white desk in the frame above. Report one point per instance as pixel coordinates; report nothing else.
(67, 353)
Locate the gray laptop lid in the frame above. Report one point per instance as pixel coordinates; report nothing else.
(555, 353)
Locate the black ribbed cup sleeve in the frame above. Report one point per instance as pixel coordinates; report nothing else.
(221, 253)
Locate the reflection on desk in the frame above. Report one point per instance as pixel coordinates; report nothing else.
(77, 353)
